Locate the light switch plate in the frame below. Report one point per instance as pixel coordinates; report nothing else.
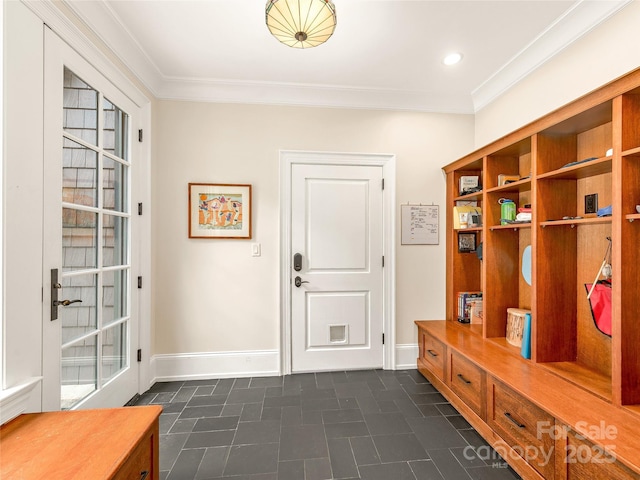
(591, 203)
(255, 250)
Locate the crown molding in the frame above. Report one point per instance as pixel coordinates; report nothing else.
(579, 20)
(101, 18)
(576, 22)
(330, 96)
(64, 26)
(107, 26)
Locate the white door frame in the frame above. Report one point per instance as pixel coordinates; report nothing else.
(140, 183)
(59, 53)
(388, 163)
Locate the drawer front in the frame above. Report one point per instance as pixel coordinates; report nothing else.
(139, 465)
(582, 460)
(434, 354)
(525, 427)
(467, 380)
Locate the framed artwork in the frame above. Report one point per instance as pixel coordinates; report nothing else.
(466, 242)
(219, 210)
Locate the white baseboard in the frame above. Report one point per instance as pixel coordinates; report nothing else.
(202, 366)
(406, 356)
(16, 400)
(260, 363)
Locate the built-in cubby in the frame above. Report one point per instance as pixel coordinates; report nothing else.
(508, 177)
(466, 264)
(574, 159)
(568, 167)
(578, 379)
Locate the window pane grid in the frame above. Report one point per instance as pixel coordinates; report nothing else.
(79, 371)
(81, 104)
(116, 159)
(96, 243)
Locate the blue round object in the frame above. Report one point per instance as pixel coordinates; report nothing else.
(526, 264)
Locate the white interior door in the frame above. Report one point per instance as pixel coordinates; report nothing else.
(337, 292)
(90, 329)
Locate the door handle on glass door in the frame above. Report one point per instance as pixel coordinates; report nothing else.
(298, 281)
(65, 303)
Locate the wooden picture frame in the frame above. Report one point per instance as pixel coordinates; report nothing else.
(219, 210)
(467, 242)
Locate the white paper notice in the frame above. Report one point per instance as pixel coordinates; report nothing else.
(420, 224)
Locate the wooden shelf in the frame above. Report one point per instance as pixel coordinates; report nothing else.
(474, 328)
(502, 342)
(584, 377)
(633, 216)
(511, 226)
(582, 170)
(519, 186)
(631, 152)
(635, 409)
(470, 229)
(577, 221)
(469, 197)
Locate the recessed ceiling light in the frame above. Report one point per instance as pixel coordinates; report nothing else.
(452, 58)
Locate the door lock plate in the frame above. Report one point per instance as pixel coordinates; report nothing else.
(55, 286)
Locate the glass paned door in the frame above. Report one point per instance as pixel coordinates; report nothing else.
(95, 245)
(88, 348)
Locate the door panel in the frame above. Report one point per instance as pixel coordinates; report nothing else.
(335, 319)
(88, 351)
(338, 208)
(337, 309)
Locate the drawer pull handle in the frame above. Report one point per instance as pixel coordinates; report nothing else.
(512, 420)
(461, 377)
(432, 353)
(144, 474)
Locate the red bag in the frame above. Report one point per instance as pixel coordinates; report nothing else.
(600, 302)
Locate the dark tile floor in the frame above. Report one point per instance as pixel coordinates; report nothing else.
(369, 425)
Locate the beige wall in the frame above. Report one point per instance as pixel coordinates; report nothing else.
(604, 54)
(212, 295)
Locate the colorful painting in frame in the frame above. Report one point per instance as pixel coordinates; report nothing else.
(219, 210)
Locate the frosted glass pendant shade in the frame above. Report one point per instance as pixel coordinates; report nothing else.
(301, 23)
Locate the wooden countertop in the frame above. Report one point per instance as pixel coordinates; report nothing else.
(568, 403)
(72, 444)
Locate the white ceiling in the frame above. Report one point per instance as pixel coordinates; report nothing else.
(384, 53)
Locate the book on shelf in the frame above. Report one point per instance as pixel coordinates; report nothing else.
(504, 179)
(469, 184)
(465, 300)
(476, 311)
(525, 348)
(467, 217)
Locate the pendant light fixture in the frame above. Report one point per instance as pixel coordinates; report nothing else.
(301, 23)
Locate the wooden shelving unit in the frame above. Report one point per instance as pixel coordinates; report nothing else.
(591, 146)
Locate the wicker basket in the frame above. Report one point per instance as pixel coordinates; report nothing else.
(515, 325)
